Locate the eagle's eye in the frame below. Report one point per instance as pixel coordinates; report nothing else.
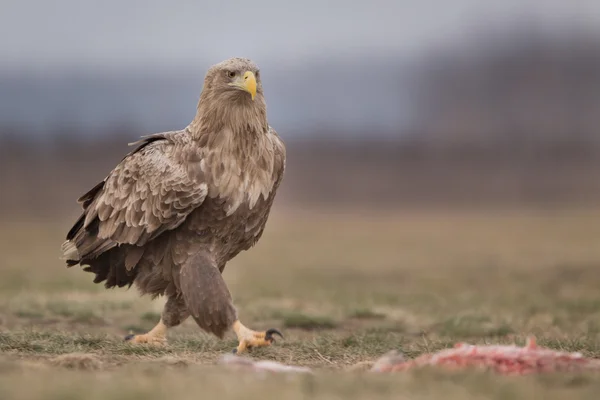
(230, 74)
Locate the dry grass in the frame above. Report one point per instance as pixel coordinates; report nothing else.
(344, 289)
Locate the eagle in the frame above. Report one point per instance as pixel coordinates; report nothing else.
(177, 208)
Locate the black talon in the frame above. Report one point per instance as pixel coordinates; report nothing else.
(129, 337)
(269, 334)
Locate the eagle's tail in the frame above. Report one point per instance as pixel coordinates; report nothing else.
(70, 253)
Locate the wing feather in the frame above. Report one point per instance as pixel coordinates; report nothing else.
(149, 192)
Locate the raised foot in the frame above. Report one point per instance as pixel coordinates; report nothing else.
(249, 338)
(147, 339)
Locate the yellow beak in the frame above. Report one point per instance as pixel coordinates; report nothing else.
(249, 83)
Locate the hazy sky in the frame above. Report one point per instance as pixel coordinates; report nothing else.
(42, 34)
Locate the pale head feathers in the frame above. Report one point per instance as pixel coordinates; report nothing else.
(223, 105)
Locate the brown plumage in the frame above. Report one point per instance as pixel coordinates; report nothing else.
(176, 209)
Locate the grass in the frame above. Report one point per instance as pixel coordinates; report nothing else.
(307, 322)
(365, 313)
(344, 289)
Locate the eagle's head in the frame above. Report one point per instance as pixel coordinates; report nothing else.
(236, 79)
(232, 96)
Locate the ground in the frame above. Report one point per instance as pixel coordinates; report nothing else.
(343, 287)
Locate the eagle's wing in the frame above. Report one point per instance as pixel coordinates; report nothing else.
(152, 190)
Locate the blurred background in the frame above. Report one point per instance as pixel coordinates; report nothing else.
(442, 181)
(382, 104)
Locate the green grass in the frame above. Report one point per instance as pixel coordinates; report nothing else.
(307, 322)
(365, 313)
(343, 290)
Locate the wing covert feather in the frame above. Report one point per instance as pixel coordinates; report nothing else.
(150, 191)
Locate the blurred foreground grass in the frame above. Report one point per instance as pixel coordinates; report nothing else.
(344, 289)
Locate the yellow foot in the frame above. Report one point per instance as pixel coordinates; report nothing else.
(157, 336)
(146, 338)
(248, 338)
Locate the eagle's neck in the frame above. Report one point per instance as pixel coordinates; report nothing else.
(241, 116)
(236, 150)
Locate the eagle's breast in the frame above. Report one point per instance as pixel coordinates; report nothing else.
(240, 170)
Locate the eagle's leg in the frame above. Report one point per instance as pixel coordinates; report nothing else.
(248, 338)
(173, 314)
(210, 303)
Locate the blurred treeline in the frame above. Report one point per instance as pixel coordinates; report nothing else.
(509, 120)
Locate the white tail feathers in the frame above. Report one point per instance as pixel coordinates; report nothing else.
(69, 251)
